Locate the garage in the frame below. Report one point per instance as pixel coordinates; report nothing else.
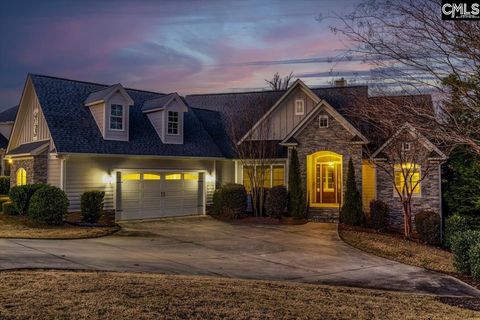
(150, 194)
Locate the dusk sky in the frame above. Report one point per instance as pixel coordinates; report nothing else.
(166, 46)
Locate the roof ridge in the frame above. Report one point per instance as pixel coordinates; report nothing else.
(90, 82)
(228, 93)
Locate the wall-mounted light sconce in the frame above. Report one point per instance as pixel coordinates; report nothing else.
(108, 179)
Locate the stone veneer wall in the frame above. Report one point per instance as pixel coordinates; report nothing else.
(336, 139)
(429, 200)
(36, 168)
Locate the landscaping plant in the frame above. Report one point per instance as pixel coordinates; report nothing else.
(4, 184)
(454, 225)
(233, 199)
(474, 259)
(217, 202)
(460, 248)
(427, 224)
(276, 202)
(92, 205)
(8, 208)
(352, 212)
(379, 215)
(49, 205)
(21, 195)
(296, 203)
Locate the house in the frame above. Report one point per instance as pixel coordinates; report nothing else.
(157, 154)
(7, 117)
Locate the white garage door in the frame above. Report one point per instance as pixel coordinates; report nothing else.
(147, 195)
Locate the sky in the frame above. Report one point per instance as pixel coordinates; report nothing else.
(173, 46)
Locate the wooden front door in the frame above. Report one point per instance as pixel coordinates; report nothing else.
(327, 183)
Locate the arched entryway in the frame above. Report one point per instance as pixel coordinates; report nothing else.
(324, 179)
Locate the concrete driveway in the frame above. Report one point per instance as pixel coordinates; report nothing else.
(310, 253)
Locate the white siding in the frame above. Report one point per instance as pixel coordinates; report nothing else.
(89, 173)
(98, 113)
(54, 174)
(156, 118)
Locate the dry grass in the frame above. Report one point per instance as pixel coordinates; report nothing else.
(397, 248)
(95, 295)
(20, 227)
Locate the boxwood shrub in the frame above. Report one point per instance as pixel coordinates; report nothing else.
(217, 202)
(276, 201)
(461, 246)
(379, 215)
(4, 184)
(454, 225)
(21, 195)
(9, 208)
(49, 205)
(92, 205)
(427, 224)
(232, 200)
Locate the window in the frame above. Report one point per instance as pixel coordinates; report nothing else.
(278, 177)
(151, 176)
(273, 175)
(190, 176)
(299, 107)
(116, 117)
(406, 146)
(408, 176)
(21, 177)
(172, 124)
(173, 176)
(130, 176)
(323, 121)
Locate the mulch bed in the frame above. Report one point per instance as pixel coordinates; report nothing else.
(106, 220)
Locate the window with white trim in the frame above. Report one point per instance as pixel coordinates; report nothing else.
(323, 121)
(408, 178)
(299, 107)
(406, 146)
(272, 175)
(172, 123)
(116, 117)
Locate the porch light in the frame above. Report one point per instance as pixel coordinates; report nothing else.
(10, 161)
(209, 178)
(108, 179)
(330, 164)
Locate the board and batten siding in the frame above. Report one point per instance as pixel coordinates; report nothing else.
(54, 175)
(283, 119)
(368, 184)
(84, 173)
(25, 122)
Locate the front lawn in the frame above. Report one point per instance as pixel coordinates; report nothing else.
(21, 227)
(98, 295)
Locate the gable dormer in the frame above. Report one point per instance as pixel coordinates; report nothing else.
(110, 108)
(166, 114)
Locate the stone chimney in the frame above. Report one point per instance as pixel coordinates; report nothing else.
(340, 82)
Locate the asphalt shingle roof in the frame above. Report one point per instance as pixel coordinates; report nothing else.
(9, 114)
(74, 130)
(157, 103)
(28, 147)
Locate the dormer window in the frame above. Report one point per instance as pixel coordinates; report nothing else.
(406, 146)
(299, 107)
(172, 124)
(116, 117)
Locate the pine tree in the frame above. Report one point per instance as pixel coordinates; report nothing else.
(352, 212)
(296, 204)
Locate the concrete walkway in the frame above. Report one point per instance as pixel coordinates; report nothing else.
(310, 253)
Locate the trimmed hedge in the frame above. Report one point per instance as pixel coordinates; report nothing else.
(230, 200)
(427, 224)
(20, 196)
(217, 202)
(276, 201)
(9, 208)
(379, 215)
(92, 205)
(461, 246)
(49, 205)
(4, 184)
(454, 225)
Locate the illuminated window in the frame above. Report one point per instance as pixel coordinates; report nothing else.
(247, 174)
(151, 176)
(172, 124)
(408, 176)
(272, 175)
(299, 107)
(116, 117)
(21, 177)
(265, 172)
(323, 121)
(131, 176)
(278, 178)
(190, 176)
(173, 176)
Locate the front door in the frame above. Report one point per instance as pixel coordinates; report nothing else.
(327, 183)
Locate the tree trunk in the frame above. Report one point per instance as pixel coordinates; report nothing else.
(407, 220)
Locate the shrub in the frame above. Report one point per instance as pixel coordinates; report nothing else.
(9, 208)
(460, 248)
(454, 225)
(233, 199)
(217, 203)
(296, 199)
(276, 201)
(4, 184)
(427, 224)
(352, 212)
(92, 205)
(379, 215)
(474, 260)
(49, 205)
(20, 196)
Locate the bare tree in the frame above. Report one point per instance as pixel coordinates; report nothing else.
(253, 149)
(413, 50)
(279, 83)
